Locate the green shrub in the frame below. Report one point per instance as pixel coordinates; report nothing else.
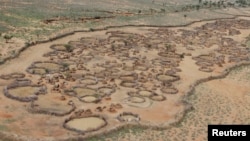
(7, 37)
(68, 47)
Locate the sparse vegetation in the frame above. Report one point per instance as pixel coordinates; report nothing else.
(168, 47)
(68, 47)
(101, 72)
(7, 38)
(65, 65)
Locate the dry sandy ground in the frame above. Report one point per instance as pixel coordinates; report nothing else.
(15, 118)
(224, 101)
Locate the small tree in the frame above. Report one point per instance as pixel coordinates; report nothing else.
(197, 7)
(168, 47)
(7, 38)
(182, 55)
(113, 47)
(125, 43)
(205, 3)
(65, 65)
(46, 70)
(68, 47)
(149, 46)
(185, 16)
